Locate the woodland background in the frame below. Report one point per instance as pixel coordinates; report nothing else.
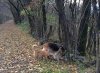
(73, 23)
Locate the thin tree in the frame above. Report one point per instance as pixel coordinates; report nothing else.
(98, 40)
(44, 17)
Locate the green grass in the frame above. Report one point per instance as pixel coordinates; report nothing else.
(56, 71)
(81, 67)
(24, 25)
(51, 66)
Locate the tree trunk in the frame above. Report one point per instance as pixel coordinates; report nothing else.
(32, 24)
(15, 9)
(98, 42)
(98, 53)
(44, 19)
(82, 35)
(99, 16)
(63, 23)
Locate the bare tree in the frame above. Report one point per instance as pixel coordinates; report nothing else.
(15, 9)
(82, 35)
(63, 22)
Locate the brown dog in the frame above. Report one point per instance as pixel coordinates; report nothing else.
(53, 50)
(38, 54)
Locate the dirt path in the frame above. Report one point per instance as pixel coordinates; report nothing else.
(15, 50)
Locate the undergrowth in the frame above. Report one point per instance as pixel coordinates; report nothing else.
(24, 25)
(50, 66)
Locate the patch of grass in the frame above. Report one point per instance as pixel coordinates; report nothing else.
(80, 67)
(24, 25)
(51, 66)
(56, 71)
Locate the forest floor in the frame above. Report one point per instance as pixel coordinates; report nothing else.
(16, 54)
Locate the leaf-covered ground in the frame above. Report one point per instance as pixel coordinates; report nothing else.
(16, 54)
